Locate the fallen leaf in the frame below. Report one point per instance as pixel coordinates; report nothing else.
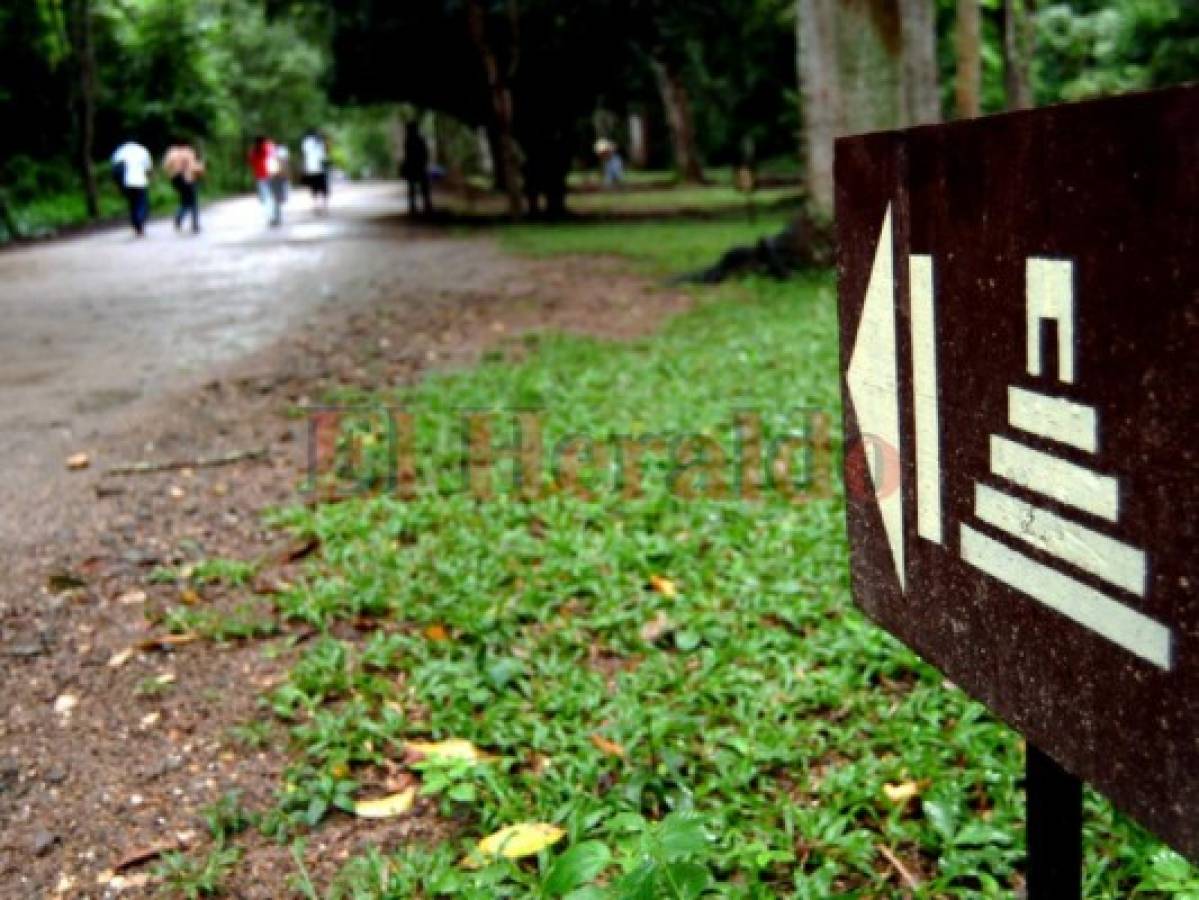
(299, 548)
(902, 792)
(65, 703)
(437, 633)
(165, 641)
(610, 747)
(60, 582)
(137, 857)
(269, 584)
(131, 598)
(386, 807)
(78, 461)
(656, 627)
(176, 492)
(452, 748)
(663, 586)
(190, 596)
(518, 841)
(121, 657)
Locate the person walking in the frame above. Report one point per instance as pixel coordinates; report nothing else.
(131, 168)
(265, 166)
(315, 152)
(183, 166)
(415, 169)
(281, 180)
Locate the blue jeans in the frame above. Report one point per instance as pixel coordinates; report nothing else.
(139, 208)
(270, 203)
(189, 202)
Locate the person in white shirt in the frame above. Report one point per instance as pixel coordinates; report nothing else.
(131, 167)
(315, 150)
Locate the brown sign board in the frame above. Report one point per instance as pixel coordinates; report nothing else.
(1019, 300)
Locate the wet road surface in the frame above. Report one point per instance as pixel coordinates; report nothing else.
(92, 327)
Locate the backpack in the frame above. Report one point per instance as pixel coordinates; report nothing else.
(118, 172)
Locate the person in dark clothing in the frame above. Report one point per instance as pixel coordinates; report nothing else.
(415, 169)
(183, 166)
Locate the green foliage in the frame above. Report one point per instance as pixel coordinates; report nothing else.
(1090, 49)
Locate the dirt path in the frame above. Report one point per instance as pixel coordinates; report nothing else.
(181, 348)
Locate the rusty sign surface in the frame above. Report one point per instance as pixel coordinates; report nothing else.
(1019, 300)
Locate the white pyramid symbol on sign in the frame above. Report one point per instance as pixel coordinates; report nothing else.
(873, 380)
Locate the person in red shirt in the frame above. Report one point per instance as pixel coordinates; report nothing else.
(265, 166)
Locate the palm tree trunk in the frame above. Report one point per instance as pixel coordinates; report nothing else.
(823, 112)
(967, 88)
(1019, 43)
(920, 77)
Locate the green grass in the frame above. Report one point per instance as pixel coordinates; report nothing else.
(680, 199)
(760, 715)
(659, 248)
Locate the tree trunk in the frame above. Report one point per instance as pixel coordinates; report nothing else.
(967, 87)
(79, 24)
(920, 79)
(7, 220)
(507, 158)
(820, 92)
(677, 103)
(638, 141)
(1019, 43)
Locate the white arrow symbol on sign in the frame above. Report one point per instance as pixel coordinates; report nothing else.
(873, 379)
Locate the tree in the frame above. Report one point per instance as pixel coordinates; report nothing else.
(921, 81)
(822, 101)
(1019, 44)
(79, 29)
(505, 152)
(968, 37)
(676, 102)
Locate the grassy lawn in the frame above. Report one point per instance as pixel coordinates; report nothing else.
(681, 684)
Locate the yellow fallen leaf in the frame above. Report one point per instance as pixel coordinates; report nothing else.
(386, 807)
(902, 792)
(610, 747)
(517, 841)
(437, 633)
(663, 586)
(78, 461)
(189, 596)
(452, 748)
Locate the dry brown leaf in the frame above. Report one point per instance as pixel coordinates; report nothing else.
(189, 596)
(902, 792)
(517, 841)
(663, 585)
(656, 627)
(451, 748)
(121, 657)
(437, 633)
(386, 807)
(610, 747)
(299, 548)
(165, 641)
(78, 461)
(137, 857)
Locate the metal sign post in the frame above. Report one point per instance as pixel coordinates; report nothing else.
(1019, 303)
(1054, 829)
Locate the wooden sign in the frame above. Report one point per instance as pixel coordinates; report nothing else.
(1019, 302)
